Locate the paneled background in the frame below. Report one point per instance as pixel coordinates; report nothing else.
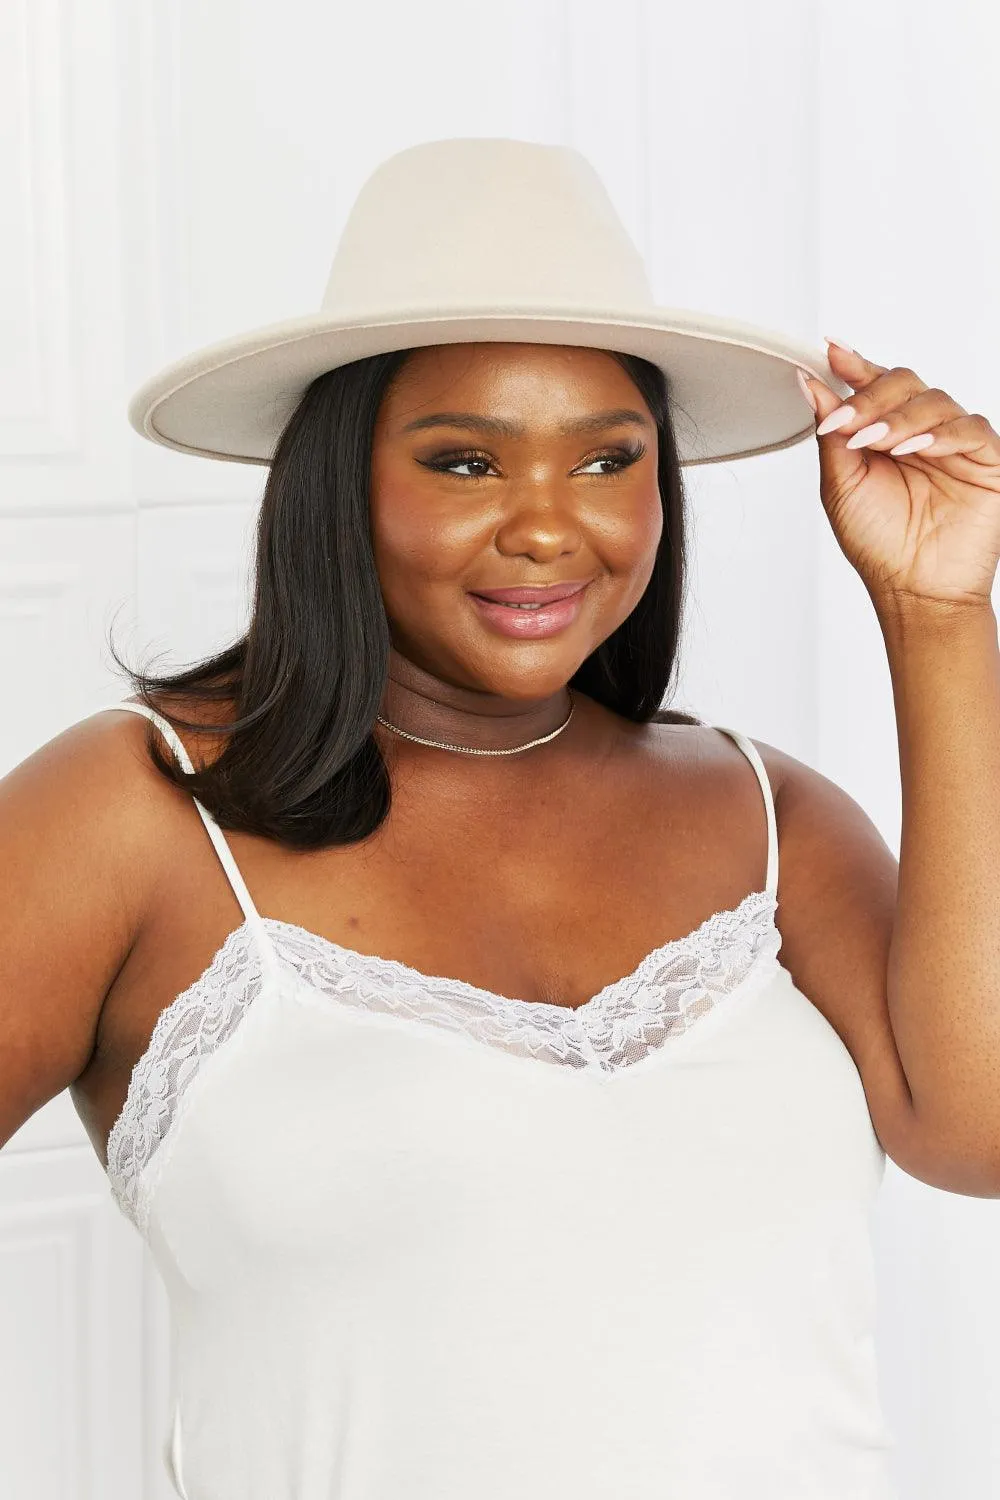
(175, 173)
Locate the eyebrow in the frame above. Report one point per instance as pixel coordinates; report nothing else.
(498, 427)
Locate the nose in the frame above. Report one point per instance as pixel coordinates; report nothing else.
(540, 524)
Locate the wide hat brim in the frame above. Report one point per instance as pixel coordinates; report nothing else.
(733, 388)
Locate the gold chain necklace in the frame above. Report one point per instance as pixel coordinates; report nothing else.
(466, 750)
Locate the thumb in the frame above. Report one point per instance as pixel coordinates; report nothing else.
(838, 464)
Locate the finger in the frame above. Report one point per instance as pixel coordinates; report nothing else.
(878, 425)
(839, 467)
(851, 366)
(971, 434)
(819, 395)
(886, 393)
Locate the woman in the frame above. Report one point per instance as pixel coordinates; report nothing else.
(484, 1143)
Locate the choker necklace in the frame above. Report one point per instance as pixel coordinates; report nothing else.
(465, 749)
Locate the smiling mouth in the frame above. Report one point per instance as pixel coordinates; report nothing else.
(530, 598)
(508, 604)
(540, 618)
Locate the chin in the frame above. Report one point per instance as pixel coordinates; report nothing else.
(528, 687)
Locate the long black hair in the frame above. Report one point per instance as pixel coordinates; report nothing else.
(300, 763)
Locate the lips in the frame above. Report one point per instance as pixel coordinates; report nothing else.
(530, 622)
(532, 595)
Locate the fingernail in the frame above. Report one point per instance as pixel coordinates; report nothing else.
(838, 418)
(840, 343)
(804, 388)
(913, 444)
(873, 434)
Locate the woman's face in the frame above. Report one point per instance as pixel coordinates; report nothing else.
(457, 507)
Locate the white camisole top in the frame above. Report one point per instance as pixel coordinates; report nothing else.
(421, 1241)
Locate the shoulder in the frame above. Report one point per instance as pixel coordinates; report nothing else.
(828, 837)
(81, 832)
(703, 745)
(91, 763)
(836, 873)
(133, 732)
(809, 807)
(837, 885)
(96, 783)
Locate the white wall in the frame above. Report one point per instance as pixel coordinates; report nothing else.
(175, 173)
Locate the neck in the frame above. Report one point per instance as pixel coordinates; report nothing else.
(424, 705)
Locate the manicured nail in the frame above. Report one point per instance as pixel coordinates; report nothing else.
(873, 434)
(913, 444)
(838, 418)
(848, 348)
(804, 388)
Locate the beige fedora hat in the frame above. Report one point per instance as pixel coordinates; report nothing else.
(475, 240)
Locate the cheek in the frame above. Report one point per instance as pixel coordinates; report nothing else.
(629, 531)
(650, 520)
(419, 541)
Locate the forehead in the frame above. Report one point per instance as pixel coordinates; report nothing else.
(556, 379)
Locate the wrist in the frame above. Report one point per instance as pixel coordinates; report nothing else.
(905, 610)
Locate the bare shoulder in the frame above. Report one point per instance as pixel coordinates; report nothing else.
(827, 842)
(134, 730)
(81, 835)
(838, 868)
(837, 882)
(95, 766)
(703, 746)
(89, 794)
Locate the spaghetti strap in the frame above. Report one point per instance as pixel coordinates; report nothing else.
(753, 755)
(254, 920)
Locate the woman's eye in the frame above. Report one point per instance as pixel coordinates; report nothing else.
(450, 463)
(619, 460)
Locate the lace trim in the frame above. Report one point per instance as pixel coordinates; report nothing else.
(624, 1022)
(193, 1026)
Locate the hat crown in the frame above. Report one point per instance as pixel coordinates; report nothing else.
(489, 223)
(478, 240)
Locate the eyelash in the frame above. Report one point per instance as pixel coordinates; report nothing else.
(625, 456)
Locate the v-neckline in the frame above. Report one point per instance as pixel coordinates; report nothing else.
(587, 1036)
(716, 925)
